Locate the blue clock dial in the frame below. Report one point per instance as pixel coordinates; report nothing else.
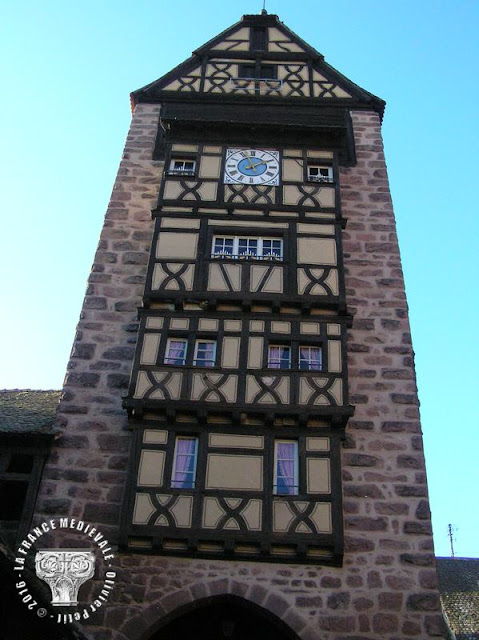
(252, 166)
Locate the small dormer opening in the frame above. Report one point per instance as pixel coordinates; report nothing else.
(259, 39)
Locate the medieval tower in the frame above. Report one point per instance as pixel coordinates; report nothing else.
(240, 415)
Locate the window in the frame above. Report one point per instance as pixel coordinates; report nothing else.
(205, 353)
(262, 72)
(175, 351)
(285, 481)
(258, 38)
(182, 167)
(320, 173)
(184, 463)
(310, 358)
(247, 247)
(279, 357)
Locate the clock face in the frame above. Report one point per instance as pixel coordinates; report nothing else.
(252, 166)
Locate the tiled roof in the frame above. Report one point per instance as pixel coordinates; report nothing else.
(27, 411)
(459, 589)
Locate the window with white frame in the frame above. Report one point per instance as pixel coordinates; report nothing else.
(183, 474)
(182, 166)
(175, 351)
(286, 476)
(310, 358)
(243, 247)
(205, 353)
(320, 173)
(279, 356)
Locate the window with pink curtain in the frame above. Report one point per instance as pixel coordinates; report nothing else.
(310, 358)
(286, 467)
(184, 463)
(175, 352)
(205, 352)
(279, 357)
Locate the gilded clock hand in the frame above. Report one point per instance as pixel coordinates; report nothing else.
(251, 165)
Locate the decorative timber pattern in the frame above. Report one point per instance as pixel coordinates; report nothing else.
(233, 494)
(241, 353)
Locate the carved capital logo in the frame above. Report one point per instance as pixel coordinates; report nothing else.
(64, 570)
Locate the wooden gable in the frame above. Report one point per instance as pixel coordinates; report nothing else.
(258, 58)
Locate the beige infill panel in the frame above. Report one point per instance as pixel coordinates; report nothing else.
(334, 329)
(237, 41)
(310, 328)
(218, 281)
(176, 245)
(273, 282)
(142, 385)
(334, 356)
(208, 324)
(332, 281)
(210, 167)
(317, 251)
(189, 84)
(281, 327)
(180, 223)
(256, 325)
(230, 440)
(293, 170)
(208, 191)
(179, 323)
(212, 513)
(309, 196)
(337, 391)
(208, 388)
(182, 511)
(283, 516)
(317, 444)
(255, 352)
(154, 323)
(279, 43)
(230, 354)
(318, 475)
(152, 436)
(149, 350)
(173, 385)
(300, 72)
(151, 467)
(252, 515)
(321, 516)
(143, 509)
(239, 473)
(160, 275)
(271, 393)
(306, 391)
(185, 147)
(173, 189)
(232, 325)
(316, 229)
(304, 280)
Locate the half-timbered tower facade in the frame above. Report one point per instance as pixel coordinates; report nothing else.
(255, 436)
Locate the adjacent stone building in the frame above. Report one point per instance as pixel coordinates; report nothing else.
(240, 413)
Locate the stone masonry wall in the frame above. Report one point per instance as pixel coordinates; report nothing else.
(387, 586)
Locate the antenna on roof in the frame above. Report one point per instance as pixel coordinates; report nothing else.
(263, 10)
(451, 530)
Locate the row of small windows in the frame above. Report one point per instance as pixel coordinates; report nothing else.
(285, 474)
(279, 356)
(247, 247)
(187, 167)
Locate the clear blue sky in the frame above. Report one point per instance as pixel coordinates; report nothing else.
(67, 70)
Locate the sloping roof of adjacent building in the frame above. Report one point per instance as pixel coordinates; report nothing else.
(26, 411)
(459, 589)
